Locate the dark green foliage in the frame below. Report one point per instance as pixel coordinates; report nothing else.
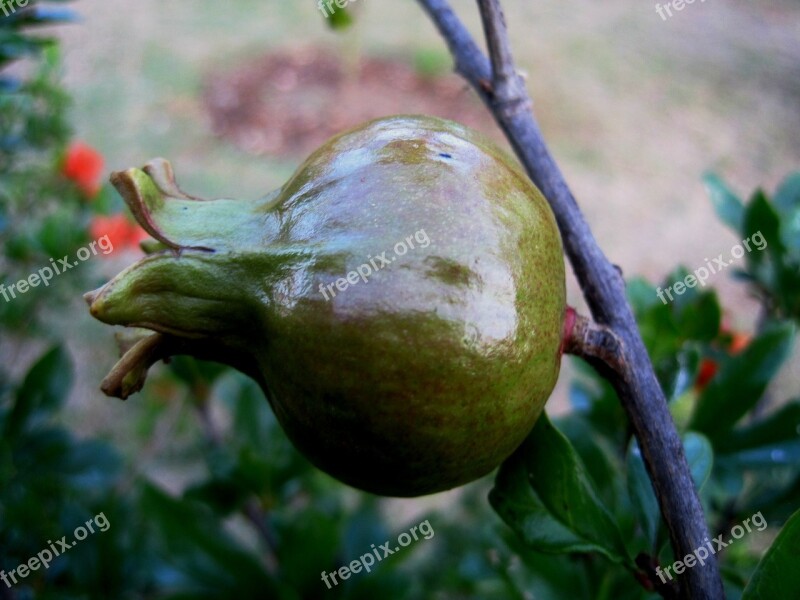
(742, 461)
(225, 507)
(774, 273)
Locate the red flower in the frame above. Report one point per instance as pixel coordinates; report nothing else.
(739, 341)
(708, 368)
(122, 233)
(83, 165)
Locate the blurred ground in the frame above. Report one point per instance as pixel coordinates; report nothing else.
(635, 108)
(287, 103)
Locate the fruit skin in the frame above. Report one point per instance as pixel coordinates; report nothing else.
(423, 378)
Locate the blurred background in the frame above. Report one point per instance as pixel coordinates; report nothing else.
(636, 108)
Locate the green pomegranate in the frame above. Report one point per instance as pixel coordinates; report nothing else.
(400, 300)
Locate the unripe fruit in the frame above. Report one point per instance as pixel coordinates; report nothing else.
(419, 376)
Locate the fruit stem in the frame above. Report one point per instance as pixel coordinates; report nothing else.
(143, 349)
(595, 343)
(128, 375)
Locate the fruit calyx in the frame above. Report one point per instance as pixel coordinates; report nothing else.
(182, 289)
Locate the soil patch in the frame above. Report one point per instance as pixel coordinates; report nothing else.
(289, 102)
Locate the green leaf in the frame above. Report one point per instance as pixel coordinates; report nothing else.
(90, 465)
(235, 478)
(544, 493)
(223, 496)
(57, 237)
(266, 459)
(641, 494)
(769, 442)
(196, 372)
(779, 499)
(777, 575)
(660, 334)
(14, 45)
(309, 543)
(253, 420)
(773, 455)
(698, 315)
(43, 15)
(742, 381)
(668, 319)
(787, 203)
(44, 389)
(365, 526)
(678, 375)
(521, 508)
(196, 544)
(760, 219)
(728, 206)
(787, 197)
(598, 454)
(700, 456)
(641, 294)
(781, 426)
(595, 399)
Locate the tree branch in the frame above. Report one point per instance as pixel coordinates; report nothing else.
(596, 344)
(498, 84)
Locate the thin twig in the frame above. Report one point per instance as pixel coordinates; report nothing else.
(507, 86)
(251, 509)
(596, 344)
(601, 283)
(253, 512)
